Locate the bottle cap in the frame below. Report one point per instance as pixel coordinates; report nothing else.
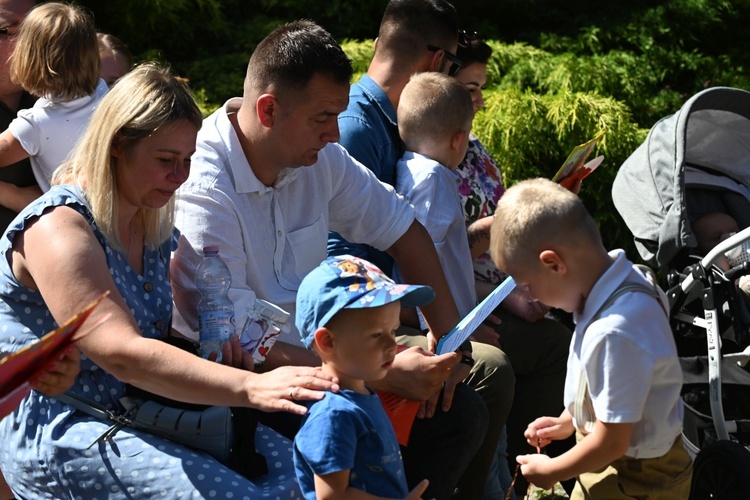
(271, 311)
(211, 248)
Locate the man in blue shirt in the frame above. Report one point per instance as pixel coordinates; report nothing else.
(417, 36)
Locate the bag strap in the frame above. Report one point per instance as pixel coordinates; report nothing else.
(583, 407)
(98, 411)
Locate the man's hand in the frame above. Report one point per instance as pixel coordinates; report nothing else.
(417, 374)
(458, 375)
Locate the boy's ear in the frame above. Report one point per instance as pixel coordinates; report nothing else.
(323, 340)
(266, 108)
(458, 139)
(552, 261)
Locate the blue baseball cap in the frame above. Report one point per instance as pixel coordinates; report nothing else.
(346, 282)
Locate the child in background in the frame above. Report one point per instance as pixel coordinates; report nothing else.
(434, 120)
(622, 389)
(348, 313)
(115, 56)
(56, 58)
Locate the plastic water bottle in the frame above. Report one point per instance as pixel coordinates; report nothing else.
(215, 309)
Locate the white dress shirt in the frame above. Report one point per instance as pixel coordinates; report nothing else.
(432, 189)
(271, 237)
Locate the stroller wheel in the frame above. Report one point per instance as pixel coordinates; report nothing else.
(721, 470)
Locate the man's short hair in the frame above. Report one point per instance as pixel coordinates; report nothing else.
(287, 59)
(536, 215)
(432, 108)
(408, 26)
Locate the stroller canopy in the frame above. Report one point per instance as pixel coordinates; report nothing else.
(706, 143)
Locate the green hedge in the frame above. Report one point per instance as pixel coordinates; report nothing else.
(561, 71)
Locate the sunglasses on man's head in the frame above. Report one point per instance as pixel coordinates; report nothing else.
(454, 60)
(465, 38)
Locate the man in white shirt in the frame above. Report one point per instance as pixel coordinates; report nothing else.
(268, 181)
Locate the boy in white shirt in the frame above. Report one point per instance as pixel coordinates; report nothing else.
(434, 120)
(622, 389)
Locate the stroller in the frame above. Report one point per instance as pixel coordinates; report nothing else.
(692, 162)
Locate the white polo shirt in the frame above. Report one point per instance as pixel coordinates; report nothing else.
(630, 362)
(271, 237)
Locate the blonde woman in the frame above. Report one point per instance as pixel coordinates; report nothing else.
(110, 229)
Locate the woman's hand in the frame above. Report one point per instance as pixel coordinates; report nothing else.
(232, 354)
(522, 304)
(278, 389)
(487, 335)
(58, 376)
(478, 234)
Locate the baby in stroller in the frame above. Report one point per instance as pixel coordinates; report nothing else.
(716, 226)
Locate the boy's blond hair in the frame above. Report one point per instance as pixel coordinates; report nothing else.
(432, 108)
(537, 215)
(57, 53)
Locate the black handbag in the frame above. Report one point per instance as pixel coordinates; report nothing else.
(227, 434)
(210, 430)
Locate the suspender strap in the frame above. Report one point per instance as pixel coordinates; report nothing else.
(583, 407)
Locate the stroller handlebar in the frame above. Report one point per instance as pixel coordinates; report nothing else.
(719, 250)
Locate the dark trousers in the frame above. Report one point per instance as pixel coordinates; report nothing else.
(442, 447)
(455, 449)
(538, 353)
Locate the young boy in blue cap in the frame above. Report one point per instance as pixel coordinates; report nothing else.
(348, 313)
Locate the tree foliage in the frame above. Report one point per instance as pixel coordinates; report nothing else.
(560, 72)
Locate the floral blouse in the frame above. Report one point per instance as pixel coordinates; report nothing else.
(481, 187)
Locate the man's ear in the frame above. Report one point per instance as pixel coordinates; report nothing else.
(323, 340)
(436, 61)
(266, 108)
(552, 261)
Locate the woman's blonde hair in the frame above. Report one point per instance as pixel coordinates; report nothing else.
(56, 53)
(146, 99)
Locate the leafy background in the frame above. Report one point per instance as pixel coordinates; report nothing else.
(561, 71)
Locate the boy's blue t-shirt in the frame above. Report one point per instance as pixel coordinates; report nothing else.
(350, 431)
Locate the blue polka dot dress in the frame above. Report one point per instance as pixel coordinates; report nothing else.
(46, 446)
